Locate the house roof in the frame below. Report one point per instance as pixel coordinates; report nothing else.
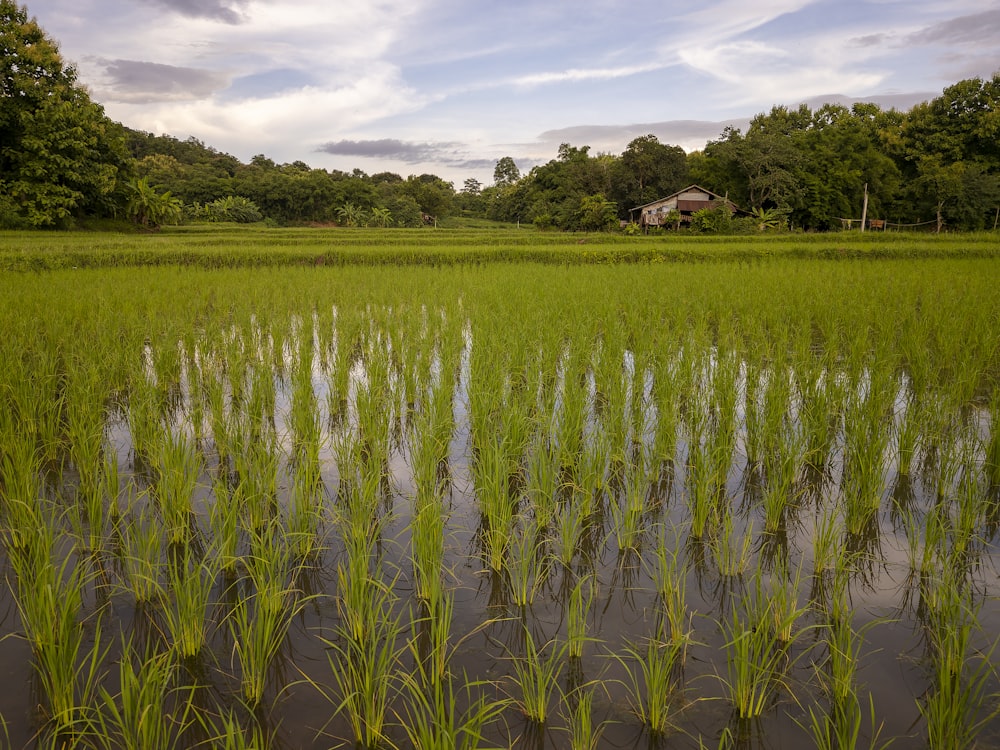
(714, 196)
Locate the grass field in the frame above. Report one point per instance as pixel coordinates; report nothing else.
(458, 488)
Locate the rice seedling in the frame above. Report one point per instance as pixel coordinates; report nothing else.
(224, 519)
(260, 622)
(364, 667)
(49, 596)
(433, 719)
(957, 707)
(842, 725)
(528, 565)
(148, 710)
(581, 598)
(653, 677)
(732, 552)
(755, 656)
(536, 678)
(185, 611)
(670, 583)
(626, 512)
(568, 533)
(178, 466)
(233, 735)
(305, 512)
(142, 552)
(583, 735)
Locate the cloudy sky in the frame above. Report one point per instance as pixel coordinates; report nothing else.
(450, 86)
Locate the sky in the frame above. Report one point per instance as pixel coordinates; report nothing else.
(448, 87)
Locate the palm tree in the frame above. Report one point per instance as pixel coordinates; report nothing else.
(351, 215)
(768, 218)
(381, 217)
(150, 209)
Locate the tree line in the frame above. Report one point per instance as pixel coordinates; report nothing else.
(63, 161)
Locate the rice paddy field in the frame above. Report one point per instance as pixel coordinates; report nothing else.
(446, 489)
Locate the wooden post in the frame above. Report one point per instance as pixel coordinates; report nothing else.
(996, 218)
(864, 210)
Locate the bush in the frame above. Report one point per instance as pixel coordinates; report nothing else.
(233, 208)
(715, 220)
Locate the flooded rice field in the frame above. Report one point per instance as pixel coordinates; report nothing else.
(646, 507)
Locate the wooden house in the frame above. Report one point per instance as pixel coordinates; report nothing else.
(686, 202)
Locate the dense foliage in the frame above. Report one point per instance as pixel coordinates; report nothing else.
(61, 157)
(937, 165)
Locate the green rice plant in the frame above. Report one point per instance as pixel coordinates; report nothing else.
(431, 642)
(432, 718)
(755, 657)
(732, 553)
(142, 551)
(528, 564)
(49, 596)
(365, 670)
(260, 622)
(185, 611)
(866, 440)
(257, 466)
(842, 724)
(583, 735)
(665, 397)
(992, 457)
(782, 594)
(907, 433)
(569, 531)
(70, 676)
(305, 512)
(427, 547)
(495, 503)
(178, 466)
(224, 520)
(670, 583)
(543, 484)
(825, 540)
(85, 430)
(581, 598)
(653, 679)
(536, 676)
(703, 479)
(149, 710)
(627, 511)
(957, 707)
(233, 735)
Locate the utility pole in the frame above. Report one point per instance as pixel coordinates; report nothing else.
(864, 210)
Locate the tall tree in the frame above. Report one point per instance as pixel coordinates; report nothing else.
(62, 158)
(647, 170)
(506, 172)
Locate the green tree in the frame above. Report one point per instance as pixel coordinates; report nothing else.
(647, 170)
(61, 157)
(506, 172)
(596, 213)
(434, 196)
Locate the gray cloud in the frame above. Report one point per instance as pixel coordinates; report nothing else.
(226, 11)
(692, 135)
(141, 82)
(614, 138)
(871, 40)
(972, 29)
(451, 153)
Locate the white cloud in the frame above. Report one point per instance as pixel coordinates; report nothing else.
(584, 74)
